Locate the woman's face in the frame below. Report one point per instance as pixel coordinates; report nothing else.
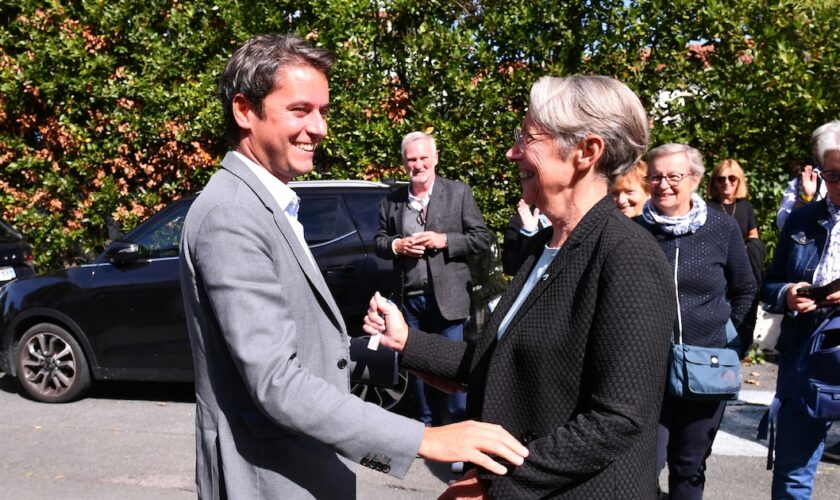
(629, 195)
(672, 193)
(542, 172)
(832, 164)
(727, 182)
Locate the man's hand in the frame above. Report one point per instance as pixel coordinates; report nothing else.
(384, 317)
(430, 239)
(472, 441)
(467, 488)
(530, 220)
(409, 247)
(808, 182)
(800, 303)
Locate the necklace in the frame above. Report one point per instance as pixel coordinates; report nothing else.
(734, 208)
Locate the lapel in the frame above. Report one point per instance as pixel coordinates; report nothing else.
(435, 210)
(592, 220)
(232, 164)
(397, 209)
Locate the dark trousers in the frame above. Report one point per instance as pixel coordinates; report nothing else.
(687, 430)
(422, 313)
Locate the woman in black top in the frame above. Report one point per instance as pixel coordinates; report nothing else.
(714, 284)
(573, 358)
(727, 192)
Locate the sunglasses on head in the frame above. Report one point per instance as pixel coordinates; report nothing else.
(723, 178)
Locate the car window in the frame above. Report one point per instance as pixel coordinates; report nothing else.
(365, 208)
(7, 233)
(162, 236)
(324, 218)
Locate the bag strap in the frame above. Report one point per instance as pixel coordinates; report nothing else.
(677, 290)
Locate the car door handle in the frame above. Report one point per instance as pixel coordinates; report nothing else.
(338, 270)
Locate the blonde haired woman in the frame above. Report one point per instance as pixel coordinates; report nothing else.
(630, 191)
(727, 192)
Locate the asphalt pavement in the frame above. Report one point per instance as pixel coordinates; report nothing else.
(135, 441)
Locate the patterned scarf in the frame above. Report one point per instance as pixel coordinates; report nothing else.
(828, 269)
(681, 224)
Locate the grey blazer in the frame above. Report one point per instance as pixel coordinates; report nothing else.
(274, 416)
(452, 210)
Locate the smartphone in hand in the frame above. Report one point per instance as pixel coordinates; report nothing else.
(819, 293)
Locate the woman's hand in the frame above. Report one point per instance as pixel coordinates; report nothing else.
(831, 300)
(384, 317)
(808, 181)
(800, 303)
(466, 488)
(530, 220)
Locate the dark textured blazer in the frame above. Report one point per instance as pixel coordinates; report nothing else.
(579, 375)
(452, 210)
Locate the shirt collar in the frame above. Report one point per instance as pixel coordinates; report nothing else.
(282, 194)
(419, 203)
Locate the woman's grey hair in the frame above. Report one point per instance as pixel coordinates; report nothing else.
(416, 136)
(825, 139)
(695, 159)
(253, 72)
(571, 108)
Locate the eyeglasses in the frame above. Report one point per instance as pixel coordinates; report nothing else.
(421, 216)
(831, 177)
(522, 138)
(723, 178)
(673, 179)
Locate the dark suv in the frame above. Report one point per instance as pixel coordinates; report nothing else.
(121, 317)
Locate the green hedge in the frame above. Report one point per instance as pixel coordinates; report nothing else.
(107, 109)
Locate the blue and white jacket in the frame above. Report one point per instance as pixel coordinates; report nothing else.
(798, 252)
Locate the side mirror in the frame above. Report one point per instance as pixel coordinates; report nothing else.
(122, 252)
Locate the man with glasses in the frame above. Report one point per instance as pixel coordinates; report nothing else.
(429, 228)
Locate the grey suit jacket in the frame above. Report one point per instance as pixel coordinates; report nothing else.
(452, 210)
(274, 417)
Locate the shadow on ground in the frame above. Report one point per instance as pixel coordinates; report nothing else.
(143, 391)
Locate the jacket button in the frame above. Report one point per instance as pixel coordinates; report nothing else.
(364, 462)
(342, 364)
(386, 469)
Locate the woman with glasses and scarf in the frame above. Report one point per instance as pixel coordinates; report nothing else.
(714, 284)
(808, 253)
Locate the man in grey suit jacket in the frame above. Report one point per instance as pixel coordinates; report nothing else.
(429, 228)
(274, 416)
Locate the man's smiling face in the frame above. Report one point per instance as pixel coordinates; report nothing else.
(293, 123)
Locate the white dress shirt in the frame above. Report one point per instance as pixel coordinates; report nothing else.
(284, 196)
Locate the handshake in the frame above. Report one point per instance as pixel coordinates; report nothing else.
(480, 443)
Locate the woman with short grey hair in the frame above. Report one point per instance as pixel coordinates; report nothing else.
(573, 358)
(715, 284)
(808, 253)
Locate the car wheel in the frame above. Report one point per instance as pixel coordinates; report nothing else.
(386, 397)
(51, 365)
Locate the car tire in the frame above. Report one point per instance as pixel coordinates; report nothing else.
(388, 398)
(51, 365)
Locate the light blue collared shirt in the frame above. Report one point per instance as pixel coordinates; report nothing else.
(284, 196)
(536, 274)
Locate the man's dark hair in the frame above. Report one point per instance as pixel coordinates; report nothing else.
(252, 72)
